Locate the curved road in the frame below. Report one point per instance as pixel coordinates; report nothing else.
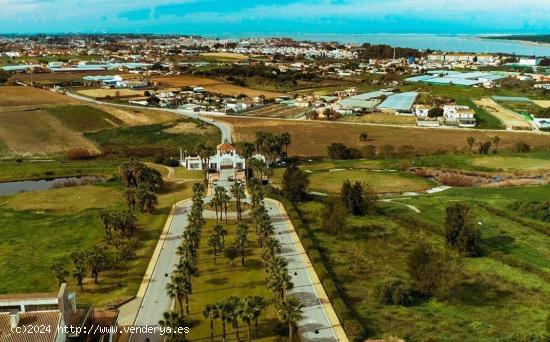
(224, 128)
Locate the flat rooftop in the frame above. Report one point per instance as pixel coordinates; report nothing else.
(400, 102)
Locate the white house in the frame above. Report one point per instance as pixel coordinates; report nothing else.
(421, 111)
(542, 123)
(226, 157)
(461, 116)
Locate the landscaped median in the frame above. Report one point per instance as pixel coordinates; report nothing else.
(343, 320)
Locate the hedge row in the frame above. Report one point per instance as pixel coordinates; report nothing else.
(353, 327)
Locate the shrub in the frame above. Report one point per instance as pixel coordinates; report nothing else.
(456, 179)
(522, 147)
(79, 154)
(171, 162)
(393, 292)
(354, 330)
(331, 289)
(340, 308)
(404, 165)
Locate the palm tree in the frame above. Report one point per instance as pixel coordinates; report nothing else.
(221, 231)
(259, 304)
(187, 269)
(237, 191)
(224, 200)
(175, 323)
(215, 203)
(233, 309)
(211, 313)
(241, 241)
(176, 289)
(223, 311)
(214, 242)
(285, 140)
(291, 311)
(246, 151)
(130, 195)
(496, 141)
(147, 200)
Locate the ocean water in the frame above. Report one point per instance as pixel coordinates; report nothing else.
(448, 43)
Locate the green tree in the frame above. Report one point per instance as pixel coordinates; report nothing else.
(146, 200)
(98, 260)
(470, 141)
(460, 232)
(60, 272)
(211, 313)
(291, 311)
(177, 324)
(241, 241)
(231, 253)
(435, 112)
(295, 183)
(433, 271)
(335, 216)
(178, 289)
(80, 267)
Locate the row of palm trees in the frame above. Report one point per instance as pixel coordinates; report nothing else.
(232, 310)
(180, 286)
(279, 282)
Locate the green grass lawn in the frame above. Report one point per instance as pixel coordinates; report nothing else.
(381, 182)
(84, 118)
(490, 293)
(42, 228)
(221, 280)
(36, 169)
(153, 139)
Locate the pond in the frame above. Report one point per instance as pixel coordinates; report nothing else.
(10, 188)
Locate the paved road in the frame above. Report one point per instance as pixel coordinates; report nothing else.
(155, 300)
(224, 127)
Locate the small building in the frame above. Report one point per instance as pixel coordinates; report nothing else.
(399, 103)
(461, 116)
(421, 111)
(57, 314)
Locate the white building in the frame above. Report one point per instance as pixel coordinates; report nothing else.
(226, 157)
(461, 116)
(421, 111)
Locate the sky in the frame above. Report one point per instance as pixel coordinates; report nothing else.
(242, 17)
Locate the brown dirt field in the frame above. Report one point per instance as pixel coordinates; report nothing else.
(225, 56)
(35, 132)
(101, 92)
(136, 117)
(311, 138)
(190, 127)
(542, 103)
(379, 118)
(29, 96)
(212, 85)
(508, 117)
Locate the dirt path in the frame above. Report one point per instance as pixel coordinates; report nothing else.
(508, 117)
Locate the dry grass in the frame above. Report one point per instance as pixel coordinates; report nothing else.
(225, 56)
(29, 96)
(134, 117)
(102, 93)
(48, 78)
(211, 85)
(380, 118)
(35, 132)
(508, 117)
(311, 138)
(542, 103)
(190, 127)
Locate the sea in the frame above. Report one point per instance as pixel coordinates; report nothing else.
(439, 42)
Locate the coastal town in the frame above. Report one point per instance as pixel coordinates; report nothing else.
(187, 188)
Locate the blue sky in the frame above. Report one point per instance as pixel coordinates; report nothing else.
(234, 17)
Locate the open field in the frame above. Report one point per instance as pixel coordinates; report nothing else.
(311, 138)
(542, 103)
(28, 170)
(381, 182)
(224, 56)
(37, 233)
(36, 132)
(45, 227)
(277, 111)
(29, 96)
(102, 92)
(135, 117)
(491, 289)
(221, 280)
(513, 163)
(155, 139)
(212, 85)
(84, 118)
(508, 117)
(378, 118)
